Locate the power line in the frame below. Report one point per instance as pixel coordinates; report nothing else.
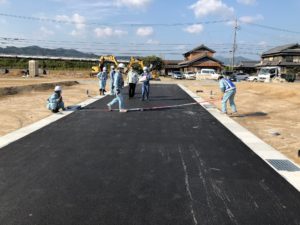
(274, 28)
(67, 21)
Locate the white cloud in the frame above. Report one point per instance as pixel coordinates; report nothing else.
(109, 32)
(206, 7)
(142, 4)
(77, 20)
(247, 2)
(250, 19)
(46, 32)
(144, 31)
(194, 29)
(153, 42)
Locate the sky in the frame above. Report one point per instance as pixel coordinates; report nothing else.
(166, 28)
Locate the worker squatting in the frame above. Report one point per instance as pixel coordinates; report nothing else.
(55, 101)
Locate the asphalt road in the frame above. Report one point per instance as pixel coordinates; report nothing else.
(163, 167)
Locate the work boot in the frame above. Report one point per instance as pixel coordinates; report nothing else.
(109, 107)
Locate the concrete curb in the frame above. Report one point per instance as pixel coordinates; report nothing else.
(258, 146)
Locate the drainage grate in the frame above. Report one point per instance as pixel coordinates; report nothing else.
(285, 165)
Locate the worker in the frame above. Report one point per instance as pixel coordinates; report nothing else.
(145, 79)
(132, 79)
(102, 76)
(112, 74)
(229, 90)
(118, 86)
(55, 101)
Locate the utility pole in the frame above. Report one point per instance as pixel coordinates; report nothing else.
(234, 47)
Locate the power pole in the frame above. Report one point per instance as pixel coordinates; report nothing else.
(234, 47)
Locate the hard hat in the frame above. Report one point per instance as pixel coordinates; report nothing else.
(57, 88)
(104, 69)
(145, 68)
(112, 67)
(121, 66)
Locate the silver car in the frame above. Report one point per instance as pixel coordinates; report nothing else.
(177, 75)
(190, 75)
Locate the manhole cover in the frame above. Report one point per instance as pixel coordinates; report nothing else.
(285, 165)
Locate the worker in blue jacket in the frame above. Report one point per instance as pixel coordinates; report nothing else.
(118, 86)
(55, 101)
(145, 79)
(112, 75)
(229, 90)
(102, 76)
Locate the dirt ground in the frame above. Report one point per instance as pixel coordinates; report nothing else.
(269, 110)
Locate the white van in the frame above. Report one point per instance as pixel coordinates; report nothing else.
(207, 73)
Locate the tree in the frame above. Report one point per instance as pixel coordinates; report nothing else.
(137, 67)
(156, 62)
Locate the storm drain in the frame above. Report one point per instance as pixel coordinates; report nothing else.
(283, 165)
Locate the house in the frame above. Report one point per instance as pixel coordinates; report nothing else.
(170, 66)
(199, 58)
(249, 67)
(286, 57)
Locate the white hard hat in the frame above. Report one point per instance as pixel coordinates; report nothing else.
(145, 68)
(57, 88)
(112, 67)
(121, 65)
(104, 69)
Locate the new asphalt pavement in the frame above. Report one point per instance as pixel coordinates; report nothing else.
(174, 166)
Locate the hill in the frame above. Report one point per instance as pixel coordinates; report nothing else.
(238, 59)
(38, 51)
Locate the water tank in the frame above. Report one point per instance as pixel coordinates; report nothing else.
(33, 68)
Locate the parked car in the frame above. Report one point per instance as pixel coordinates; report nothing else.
(231, 77)
(177, 75)
(253, 78)
(189, 75)
(241, 76)
(208, 72)
(226, 73)
(170, 73)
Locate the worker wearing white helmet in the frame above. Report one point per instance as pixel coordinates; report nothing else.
(102, 76)
(132, 78)
(145, 79)
(118, 86)
(112, 76)
(55, 101)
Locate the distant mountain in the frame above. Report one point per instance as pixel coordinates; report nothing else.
(38, 51)
(238, 59)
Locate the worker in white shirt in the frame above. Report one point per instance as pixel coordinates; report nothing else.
(132, 79)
